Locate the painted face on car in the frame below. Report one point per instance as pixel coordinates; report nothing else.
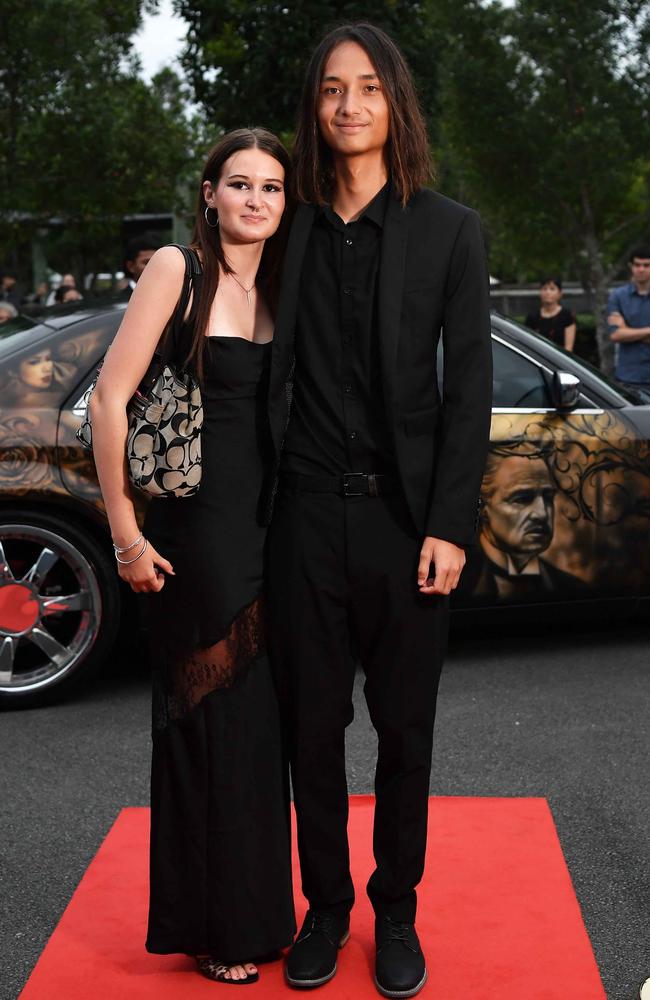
(37, 371)
(519, 512)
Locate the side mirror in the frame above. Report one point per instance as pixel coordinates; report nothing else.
(566, 391)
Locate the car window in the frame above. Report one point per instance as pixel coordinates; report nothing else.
(516, 381)
(15, 325)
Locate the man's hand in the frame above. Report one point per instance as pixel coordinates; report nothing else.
(448, 560)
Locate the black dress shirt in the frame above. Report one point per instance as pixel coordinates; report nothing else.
(338, 421)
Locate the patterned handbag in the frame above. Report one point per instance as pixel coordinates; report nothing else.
(165, 414)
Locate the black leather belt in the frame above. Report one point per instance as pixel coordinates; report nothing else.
(351, 484)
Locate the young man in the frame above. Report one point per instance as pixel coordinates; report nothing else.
(379, 478)
(139, 252)
(628, 315)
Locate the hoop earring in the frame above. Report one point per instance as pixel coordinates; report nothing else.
(212, 225)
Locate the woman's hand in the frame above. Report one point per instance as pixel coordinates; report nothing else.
(146, 574)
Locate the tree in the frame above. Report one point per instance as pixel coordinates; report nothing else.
(246, 62)
(547, 131)
(82, 137)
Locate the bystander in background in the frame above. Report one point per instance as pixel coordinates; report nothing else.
(552, 319)
(628, 316)
(9, 290)
(67, 281)
(39, 296)
(139, 252)
(67, 294)
(7, 311)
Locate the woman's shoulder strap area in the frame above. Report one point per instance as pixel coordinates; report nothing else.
(193, 264)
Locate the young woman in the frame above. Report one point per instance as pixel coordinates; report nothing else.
(220, 845)
(552, 319)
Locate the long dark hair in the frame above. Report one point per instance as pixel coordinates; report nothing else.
(207, 240)
(407, 150)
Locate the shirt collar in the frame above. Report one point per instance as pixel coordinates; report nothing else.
(375, 211)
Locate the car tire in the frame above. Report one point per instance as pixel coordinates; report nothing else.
(60, 605)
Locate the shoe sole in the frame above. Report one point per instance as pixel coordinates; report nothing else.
(312, 984)
(398, 994)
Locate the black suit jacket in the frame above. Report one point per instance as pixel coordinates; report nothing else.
(433, 277)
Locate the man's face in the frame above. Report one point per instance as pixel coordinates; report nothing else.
(137, 266)
(640, 268)
(353, 113)
(519, 515)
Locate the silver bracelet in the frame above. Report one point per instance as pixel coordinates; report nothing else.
(128, 547)
(127, 562)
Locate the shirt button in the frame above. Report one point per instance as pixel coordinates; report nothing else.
(347, 387)
(352, 435)
(348, 243)
(347, 290)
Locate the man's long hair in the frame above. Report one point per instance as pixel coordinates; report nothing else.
(407, 150)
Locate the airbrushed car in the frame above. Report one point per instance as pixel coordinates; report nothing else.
(565, 518)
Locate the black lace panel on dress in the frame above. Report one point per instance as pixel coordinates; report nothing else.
(191, 676)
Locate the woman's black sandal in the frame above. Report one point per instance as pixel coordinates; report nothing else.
(216, 971)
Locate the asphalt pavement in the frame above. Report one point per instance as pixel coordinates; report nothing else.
(557, 713)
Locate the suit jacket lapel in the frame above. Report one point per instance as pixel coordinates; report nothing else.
(295, 252)
(285, 322)
(391, 287)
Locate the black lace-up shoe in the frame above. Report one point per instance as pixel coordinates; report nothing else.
(312, 960)
(399, 967)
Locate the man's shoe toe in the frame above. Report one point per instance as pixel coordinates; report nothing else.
(312, 959)
(404, 987)
(400, 969)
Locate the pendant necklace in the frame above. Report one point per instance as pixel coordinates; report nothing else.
(247, 290)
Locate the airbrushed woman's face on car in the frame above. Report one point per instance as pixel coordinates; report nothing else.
(37, 370)
(248, 197)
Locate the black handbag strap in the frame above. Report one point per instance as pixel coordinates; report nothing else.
(178, 338)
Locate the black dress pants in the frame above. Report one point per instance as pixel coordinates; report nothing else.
(342, 589)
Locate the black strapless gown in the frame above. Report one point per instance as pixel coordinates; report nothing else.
(220, 829)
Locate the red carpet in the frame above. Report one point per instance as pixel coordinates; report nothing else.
(498, 917)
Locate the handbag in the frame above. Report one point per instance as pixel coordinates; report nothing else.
(165, 413)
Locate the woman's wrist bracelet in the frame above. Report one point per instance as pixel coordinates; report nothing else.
(127, 562)
(127, 548)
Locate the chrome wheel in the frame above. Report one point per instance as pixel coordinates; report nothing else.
(50, 608)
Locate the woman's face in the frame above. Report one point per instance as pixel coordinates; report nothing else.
(37, 370)
(248, 197)
(550, 294)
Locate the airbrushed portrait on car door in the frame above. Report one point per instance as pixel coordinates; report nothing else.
(37, 447)
(565, 510)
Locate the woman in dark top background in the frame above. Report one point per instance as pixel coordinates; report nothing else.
(552, 319)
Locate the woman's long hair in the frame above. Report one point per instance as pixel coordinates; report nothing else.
(207, 240)
(407, 151)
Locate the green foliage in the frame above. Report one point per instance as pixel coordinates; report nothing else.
(82, 137)
(546, 127)
(246, 62)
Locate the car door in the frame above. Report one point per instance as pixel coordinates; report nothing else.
(559, 495)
